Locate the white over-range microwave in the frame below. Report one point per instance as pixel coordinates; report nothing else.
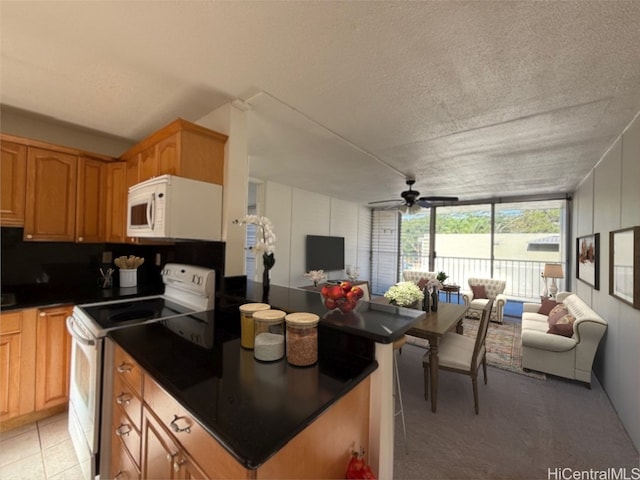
(172, 207)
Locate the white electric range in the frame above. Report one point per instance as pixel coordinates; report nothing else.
(188, 290)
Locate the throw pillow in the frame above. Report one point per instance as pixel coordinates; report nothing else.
(546, 306)
(566, 319)
(478, 291)
(556, 314)
(564, 329)
(422, 283)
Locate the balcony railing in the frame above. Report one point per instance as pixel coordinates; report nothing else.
(523, 277)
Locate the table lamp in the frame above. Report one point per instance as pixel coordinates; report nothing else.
(552, 271)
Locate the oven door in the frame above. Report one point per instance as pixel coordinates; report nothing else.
(84, 394)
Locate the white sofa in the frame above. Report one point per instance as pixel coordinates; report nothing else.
(569, 357)
(493, 288)
(415, 275)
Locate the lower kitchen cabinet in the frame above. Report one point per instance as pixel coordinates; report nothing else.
(53, 357)
(163, 457)
(35, 352)
(122, 465)
(17, 363)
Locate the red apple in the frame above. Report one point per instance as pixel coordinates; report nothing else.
(330, 304)
(352, 296)
(335, 292)
(346, 286)
(324, 291)
(347, 306)
(358, 291)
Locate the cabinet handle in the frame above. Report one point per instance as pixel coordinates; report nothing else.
(123, 398)
(81, 239)
(125, 367)
(43, 314)
(29, 235)
(170, 457)
(177, 465)
(176, 428)
(120, 432)
(121, 475)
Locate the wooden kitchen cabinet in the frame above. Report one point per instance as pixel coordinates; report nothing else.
(51, 195)
(53, 357)
(163, 457)
(17, 363)
(91, 201)
(13, 175)
(116, 210)
(181, 148)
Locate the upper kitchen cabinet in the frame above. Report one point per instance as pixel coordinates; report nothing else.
(116, 211)
(51, 195)
(91, 201)
(13, 175)
(181, 148)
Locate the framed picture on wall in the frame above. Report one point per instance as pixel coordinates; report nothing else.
(624, 265)
(588, 259)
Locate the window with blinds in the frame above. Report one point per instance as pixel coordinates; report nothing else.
(385, 235)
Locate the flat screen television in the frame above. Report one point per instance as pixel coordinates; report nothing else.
(325, 253)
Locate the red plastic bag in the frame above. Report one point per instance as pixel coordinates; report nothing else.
(358, 468)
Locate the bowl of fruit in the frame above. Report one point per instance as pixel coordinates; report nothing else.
(342, 296)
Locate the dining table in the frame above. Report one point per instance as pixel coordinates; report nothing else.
(447, 318)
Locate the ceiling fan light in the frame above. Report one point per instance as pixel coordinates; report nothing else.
(403, 209)
(415, 208)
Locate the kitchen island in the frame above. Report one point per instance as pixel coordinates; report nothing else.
(261, 412)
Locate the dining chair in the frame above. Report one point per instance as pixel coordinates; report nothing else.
(461, 354)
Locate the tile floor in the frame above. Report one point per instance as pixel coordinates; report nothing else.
(40, 450)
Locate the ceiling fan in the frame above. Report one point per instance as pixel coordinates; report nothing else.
(412, 202)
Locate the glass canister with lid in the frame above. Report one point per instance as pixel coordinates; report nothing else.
(269, 338)
(302, 338)
(246, 322)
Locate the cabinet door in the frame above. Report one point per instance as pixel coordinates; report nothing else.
(53, 355)
(9, 369)
(147, 166)
(116, 202)
(160, 453)
(51, 195)
(91, 201)
(168, 155)
(13, 174)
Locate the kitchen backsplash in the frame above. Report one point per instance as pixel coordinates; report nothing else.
(63, 263)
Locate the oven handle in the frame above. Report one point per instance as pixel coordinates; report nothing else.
(89, 342)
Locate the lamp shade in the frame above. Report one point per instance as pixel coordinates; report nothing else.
(552, 270)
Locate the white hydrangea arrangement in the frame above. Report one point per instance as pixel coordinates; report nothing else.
(316, 276)
(404, 294)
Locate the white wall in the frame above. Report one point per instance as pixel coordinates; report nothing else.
(296, 213)
(609, 199)
(232, 121)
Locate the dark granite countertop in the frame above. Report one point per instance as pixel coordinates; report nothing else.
(252, 408)
(378, 322)
(44, 295)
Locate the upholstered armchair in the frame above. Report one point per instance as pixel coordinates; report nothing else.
(493, 289)
(415, 275)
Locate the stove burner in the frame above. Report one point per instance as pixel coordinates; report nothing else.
(134, 315)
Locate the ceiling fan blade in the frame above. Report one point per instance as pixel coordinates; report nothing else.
(386, 201)
(438, 199)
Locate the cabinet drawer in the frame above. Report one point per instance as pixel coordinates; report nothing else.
(11, 323)
(124, 429)
(127, 369)
(125, 397)
(122, 466)
(212, 457)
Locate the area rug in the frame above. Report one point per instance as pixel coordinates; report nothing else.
(504, 348)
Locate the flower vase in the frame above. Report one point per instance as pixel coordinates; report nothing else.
(266, 283)
(434, 300)
(426, 303)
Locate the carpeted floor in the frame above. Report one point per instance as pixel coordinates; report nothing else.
(524, 428)
(504, 347)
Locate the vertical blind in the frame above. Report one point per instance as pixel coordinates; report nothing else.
(385, 231)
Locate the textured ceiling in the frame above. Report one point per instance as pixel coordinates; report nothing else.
(475, 99)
